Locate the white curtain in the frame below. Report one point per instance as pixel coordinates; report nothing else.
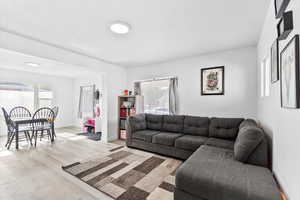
(173, 96)
(137, 88)
(86, 101)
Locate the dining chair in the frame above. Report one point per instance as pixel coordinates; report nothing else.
(55, 110)
(11, 130)
(40, 127)
(19, 112)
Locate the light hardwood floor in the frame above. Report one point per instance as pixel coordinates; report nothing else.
(35, 173)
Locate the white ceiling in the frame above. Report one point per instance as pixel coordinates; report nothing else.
(12, 60)
(161, 29)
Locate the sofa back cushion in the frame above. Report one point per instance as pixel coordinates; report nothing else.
(224, 128)
(173, 123)
(154, 122)
(247, 122)
(196, 125)
(247, 141)
(138, 122)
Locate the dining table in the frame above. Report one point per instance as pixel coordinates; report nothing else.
(27, 121)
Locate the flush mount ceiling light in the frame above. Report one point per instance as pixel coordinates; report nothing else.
(31, 64)
(120, 27)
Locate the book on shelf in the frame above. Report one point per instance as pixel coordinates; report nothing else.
(123, 134)
(128, 106)
(122, 125)
(124, 113)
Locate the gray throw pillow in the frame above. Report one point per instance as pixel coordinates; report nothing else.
(248, 139)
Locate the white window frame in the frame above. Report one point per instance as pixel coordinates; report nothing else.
(153, 80)
(265, 74)
(20, 87)
(36, 92)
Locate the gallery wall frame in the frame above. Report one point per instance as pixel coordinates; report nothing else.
(213, 81)
(290, 74)
(280, 7)
(275, 61)
(285, 25)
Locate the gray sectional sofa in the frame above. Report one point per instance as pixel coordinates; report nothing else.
(226, 158)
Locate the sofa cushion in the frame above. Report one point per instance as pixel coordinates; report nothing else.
(260, 156)
(248, 139)
(144, 135)
(247, 122)
(138, 122)
(196, 125)
(165, 138)
(154, 122)
(190, 142)
(173, 123)
(216, 142)
(212, 173)
(225, 128)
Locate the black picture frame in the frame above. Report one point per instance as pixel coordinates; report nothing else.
(285, 25)
(220, 69)
(280, 7)
(275, 61)
(283, 77)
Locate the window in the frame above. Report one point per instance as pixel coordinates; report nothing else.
(156, 96)
(16, 94)
(265, 77)
(262, 78)
(45, 98)
(12, 95)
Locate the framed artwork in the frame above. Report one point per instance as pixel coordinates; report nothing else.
(285, 25)
(280, 7)
(212, 81)
(290, 83)
(275, 62)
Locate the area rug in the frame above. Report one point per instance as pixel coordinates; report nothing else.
(124, 175)
(92, 136)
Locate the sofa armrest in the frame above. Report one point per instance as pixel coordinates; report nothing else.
(129, 130)
(134, 123)
(251, 145)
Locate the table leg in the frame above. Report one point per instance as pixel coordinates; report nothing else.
(17, 136)
(53, 132)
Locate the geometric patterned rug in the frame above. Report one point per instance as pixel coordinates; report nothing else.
(125, 175)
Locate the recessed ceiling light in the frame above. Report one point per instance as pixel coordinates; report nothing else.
(31, 64)
(120, 27)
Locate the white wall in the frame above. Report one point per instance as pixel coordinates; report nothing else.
(281, 124)
(62, 89)
(240, 83)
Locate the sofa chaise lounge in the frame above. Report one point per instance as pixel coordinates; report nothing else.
(226, 158)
